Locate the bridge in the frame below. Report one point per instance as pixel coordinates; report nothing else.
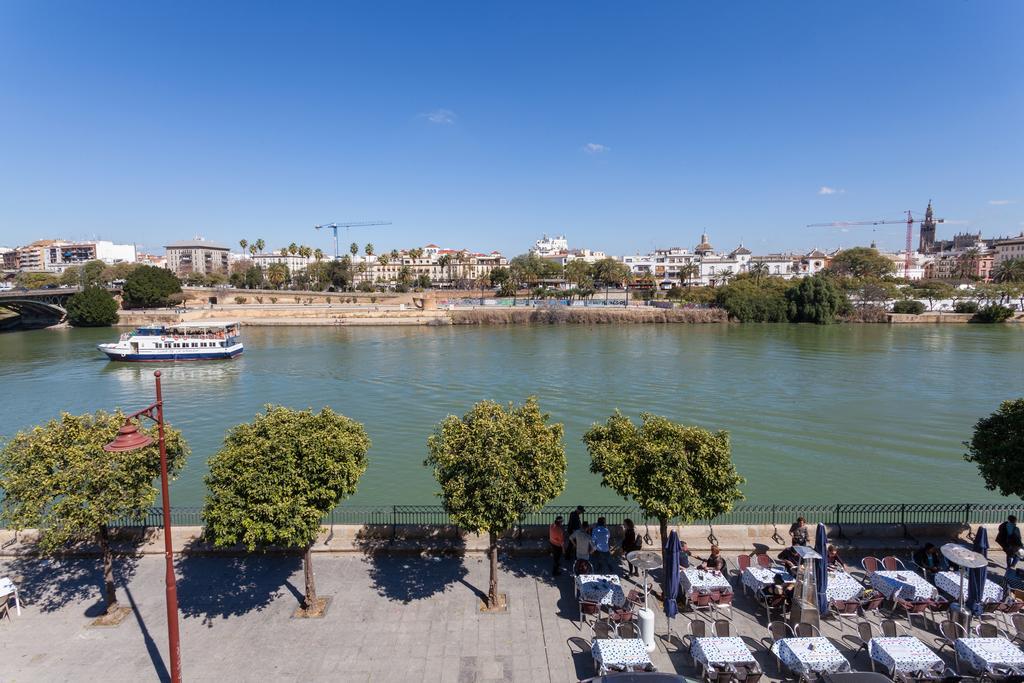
(37, 307)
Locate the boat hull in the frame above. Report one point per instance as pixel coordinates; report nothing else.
(125, 356)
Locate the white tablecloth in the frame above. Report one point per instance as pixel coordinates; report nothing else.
(759, 578)
(983, 654)
(910, 585)
(798, 656)
(949, 583)
(7, 587)
(696, 579)
(842, 586)
(619, 651)
(904, 654)
(722, 651)
(603, 589)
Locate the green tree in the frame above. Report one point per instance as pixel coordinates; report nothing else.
(244, 244)
(36, 280)
(495, 466)
(253, 277)
(932, 290)
(57, 478)
(260, 244)
(758, 269)
(1010, 270)
(71, 277)
(747, 301)
(149, 287)
(92, 307)
(445, 261)
(277, 274)
(997, 448)
(992, 313)
(815, 299)
(354, 249)
(293, 249)
(670, 470)
(688, 272)
(369, 249)
(274, 479)
(499, 275)
(579, 273)
(318, 254)
(861, 262)
(909, 306)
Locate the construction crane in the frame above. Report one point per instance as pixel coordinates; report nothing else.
(333, 227)
(908, 221)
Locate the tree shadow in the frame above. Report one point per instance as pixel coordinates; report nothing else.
(212, 587)
(52, 583)
(415, 575)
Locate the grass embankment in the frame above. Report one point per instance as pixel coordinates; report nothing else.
(587, 316)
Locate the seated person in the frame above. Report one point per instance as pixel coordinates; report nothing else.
(930, 559)
(779, 588)
(684, 556)
(790, 559)
(714, 562)
(834, 561)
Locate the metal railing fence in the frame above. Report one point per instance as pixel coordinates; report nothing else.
(778, 515)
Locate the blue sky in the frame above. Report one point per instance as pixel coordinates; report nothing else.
(483, 125)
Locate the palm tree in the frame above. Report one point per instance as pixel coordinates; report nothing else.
(966, 264)
(1011, 270)
(444, 261)
(416, 253)
(368, 248)
(382, 259)
(758, 269)
(243, 243)
(260, 244)
(252, 250)
(318, 254)
(688, 272)
(305, 252)
(277, 274)
(293, 249)
(354, 249)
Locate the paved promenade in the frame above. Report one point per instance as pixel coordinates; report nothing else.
(392, 618)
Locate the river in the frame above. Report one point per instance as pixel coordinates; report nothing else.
(842, 413)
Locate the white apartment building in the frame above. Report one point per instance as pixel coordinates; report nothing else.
(547, 246)
(1009, 249)
(295, 262)
(55, 256)
(919, 264)
(462, 265)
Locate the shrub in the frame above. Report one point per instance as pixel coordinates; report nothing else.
(259, 299)
(149, 287)
(908, 306)
(92, 307)
(749, 302)
(866, 314)
(993, 313)
(817, 300)
(241, 299)
(966, 307)
(273, 299)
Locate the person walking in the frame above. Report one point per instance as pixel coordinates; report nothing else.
(602, 552)
(798, 531)
(1008, 538)
(556, 537)
(630, 542)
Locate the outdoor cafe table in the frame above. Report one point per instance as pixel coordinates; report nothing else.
(910, 585)
(842, 586)
(904, 655)
(6, 588)
(722, 651)
(949, 583)
(810, 655)
(604, 589)
(759, 578)
(985, 654)
(702, 579)
(626, 652)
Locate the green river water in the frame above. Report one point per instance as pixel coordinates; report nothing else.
(851, 413)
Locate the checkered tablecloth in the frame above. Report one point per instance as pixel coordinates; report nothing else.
(759, 578)
(722, 651)
(619, 652)
(904, 654)
(810, 655)
(984, 654)
(842, 586)
(949, 583)
(696, 579)
(910, 585)
(603, 589)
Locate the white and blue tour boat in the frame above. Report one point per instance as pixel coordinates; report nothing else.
(183, 341)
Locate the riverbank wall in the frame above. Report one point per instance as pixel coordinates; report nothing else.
(526, 540)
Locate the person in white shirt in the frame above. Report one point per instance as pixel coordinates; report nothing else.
(601, 537)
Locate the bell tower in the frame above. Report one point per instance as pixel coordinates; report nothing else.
(927, 241)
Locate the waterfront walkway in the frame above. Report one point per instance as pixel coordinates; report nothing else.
(392, 618)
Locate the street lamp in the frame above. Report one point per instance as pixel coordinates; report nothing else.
(129, 438)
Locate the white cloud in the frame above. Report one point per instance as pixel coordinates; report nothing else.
(1001, 202)
(440, 116)
(594, 148)
(826, 190)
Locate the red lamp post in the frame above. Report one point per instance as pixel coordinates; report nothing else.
(129, 438)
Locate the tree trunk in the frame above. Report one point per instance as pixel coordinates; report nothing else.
(492, 590)
(109, 593)
(307, 566)
(663, 522)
